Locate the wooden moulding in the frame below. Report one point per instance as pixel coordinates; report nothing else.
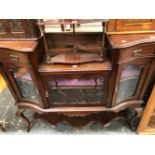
(59, 68)
(122, 106)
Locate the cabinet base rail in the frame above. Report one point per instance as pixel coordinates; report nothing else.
(36, 108)
(80, 116)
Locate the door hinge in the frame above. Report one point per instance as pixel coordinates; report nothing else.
(46, 93)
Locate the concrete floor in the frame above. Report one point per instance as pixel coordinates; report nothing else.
(15, 125)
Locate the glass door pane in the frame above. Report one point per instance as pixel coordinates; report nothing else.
(25, 83)
(76, 91)
(128, 82)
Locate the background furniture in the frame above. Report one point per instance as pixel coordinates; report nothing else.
(147, 123)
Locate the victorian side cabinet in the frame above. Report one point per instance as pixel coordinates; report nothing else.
(67, 80)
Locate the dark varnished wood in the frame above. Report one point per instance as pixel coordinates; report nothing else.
(7, 55)
(74, 76)
(89, 67)
(144, 64)
(28, 57)
(80, 117)
(124, 105)
(74, 58)
(20, 46)
(132, 49)
(20, 113)
(117, 51)
(85, 40)
(77, 121)
(57, 43)
(2, 127)
(127, 40)
(137, 52)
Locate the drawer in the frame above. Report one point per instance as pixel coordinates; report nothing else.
(11, 56)
(137, 51)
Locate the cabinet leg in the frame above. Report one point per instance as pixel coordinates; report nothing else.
(137, 114)
(20, 113)
(2, 127)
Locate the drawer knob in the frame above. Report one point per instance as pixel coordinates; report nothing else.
(136, 52)
(14, 57)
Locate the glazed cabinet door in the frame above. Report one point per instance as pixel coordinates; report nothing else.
(23, 81)
(130, 79)
(76, 89)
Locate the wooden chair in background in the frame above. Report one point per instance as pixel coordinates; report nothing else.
(147, 123)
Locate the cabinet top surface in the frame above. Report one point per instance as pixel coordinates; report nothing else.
(127, 40)
(95, 66)
(22, 46)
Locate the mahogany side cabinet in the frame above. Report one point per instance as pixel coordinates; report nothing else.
(76, 70)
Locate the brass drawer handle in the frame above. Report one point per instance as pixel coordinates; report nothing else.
(14, 57)
(137, 52)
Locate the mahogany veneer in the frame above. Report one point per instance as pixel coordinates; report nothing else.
(81, 87)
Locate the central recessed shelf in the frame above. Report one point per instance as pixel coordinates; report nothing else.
(90, 67)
